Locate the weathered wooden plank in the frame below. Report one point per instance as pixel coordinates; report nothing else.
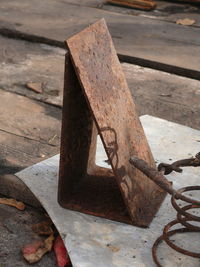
(134, 36)
(30, 119)
(21, 148)
(23, 62)
(164, 11)
(18, 152)
(164, 95)
(157, 93)
(142, 4)
(29, 132)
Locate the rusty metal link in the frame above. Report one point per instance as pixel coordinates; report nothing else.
(183, 216)
(175, 166)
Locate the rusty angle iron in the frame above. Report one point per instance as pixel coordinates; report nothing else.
(97, 100)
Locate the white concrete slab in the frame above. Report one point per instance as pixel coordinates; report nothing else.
(93, 241)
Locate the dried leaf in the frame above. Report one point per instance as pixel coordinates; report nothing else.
(49, 242)
(185, 22)
(43, 228)
(35, 251)
(13, 202)
(36, 87)
(61, 253)
(32, 248)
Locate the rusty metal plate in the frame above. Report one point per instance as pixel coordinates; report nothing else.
(82, 185)
(109, 99)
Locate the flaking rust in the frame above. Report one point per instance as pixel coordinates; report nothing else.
(96, 91)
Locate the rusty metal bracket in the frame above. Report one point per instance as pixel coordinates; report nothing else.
(97, 100)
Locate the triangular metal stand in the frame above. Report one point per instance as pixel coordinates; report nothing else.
(96, 96)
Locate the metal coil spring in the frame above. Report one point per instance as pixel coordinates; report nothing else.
(184, 218)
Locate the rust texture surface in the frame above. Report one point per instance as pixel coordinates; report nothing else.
(109, 99)
(82, 185)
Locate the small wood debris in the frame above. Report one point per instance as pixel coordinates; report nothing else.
(138, 4)
(43, 228)
(32, 248)
(36, 87)
(113, 248)
(35, 251)
(52, 139)
(185, 22)
(13, 202)
(53, 92)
